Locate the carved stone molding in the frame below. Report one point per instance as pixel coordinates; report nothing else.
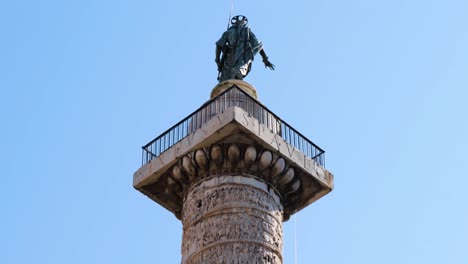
(232, 218)
(232, 175)
(230, 158)
(235, 143)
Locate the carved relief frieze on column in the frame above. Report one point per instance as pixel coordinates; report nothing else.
(232, 219)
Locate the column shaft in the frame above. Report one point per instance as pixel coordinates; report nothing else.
(232, 219)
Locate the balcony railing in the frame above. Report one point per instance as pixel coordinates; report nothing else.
(234, 96)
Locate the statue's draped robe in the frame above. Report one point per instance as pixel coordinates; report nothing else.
(239, 46)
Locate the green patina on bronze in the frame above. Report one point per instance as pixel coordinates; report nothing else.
(236, 49)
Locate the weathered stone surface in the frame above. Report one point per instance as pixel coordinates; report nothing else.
(233, 181)
(234, 142)
(245, 252)
(232, 218)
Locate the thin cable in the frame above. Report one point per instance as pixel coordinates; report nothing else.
(295, 239)
(230, 14)
(232, 9)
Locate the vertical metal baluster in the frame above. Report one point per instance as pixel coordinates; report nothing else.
(206, 113)
(156, 146)
(179, 137)
(147, 159)
(302, 144)
(161, 145)
(169, 136)
(202, 118)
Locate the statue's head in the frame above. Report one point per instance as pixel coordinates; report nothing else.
(239, 20)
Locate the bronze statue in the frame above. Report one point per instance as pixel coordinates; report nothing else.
(238, 46)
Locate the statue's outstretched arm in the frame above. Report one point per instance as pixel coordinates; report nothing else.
(267, 63)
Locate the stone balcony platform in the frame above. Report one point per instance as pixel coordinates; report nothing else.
(233, 142)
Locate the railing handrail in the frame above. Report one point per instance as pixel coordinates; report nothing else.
(202, 107)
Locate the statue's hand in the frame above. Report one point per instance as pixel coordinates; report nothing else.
(268, 64)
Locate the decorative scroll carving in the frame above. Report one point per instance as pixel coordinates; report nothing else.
(233, 220)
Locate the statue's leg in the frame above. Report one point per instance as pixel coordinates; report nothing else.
(228, 74)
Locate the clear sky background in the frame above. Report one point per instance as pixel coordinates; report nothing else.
(380, 85)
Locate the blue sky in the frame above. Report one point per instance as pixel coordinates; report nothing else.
(380, 85)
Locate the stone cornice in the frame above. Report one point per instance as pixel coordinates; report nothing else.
(234, 143)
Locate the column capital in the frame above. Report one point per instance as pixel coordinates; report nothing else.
(234, 143)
